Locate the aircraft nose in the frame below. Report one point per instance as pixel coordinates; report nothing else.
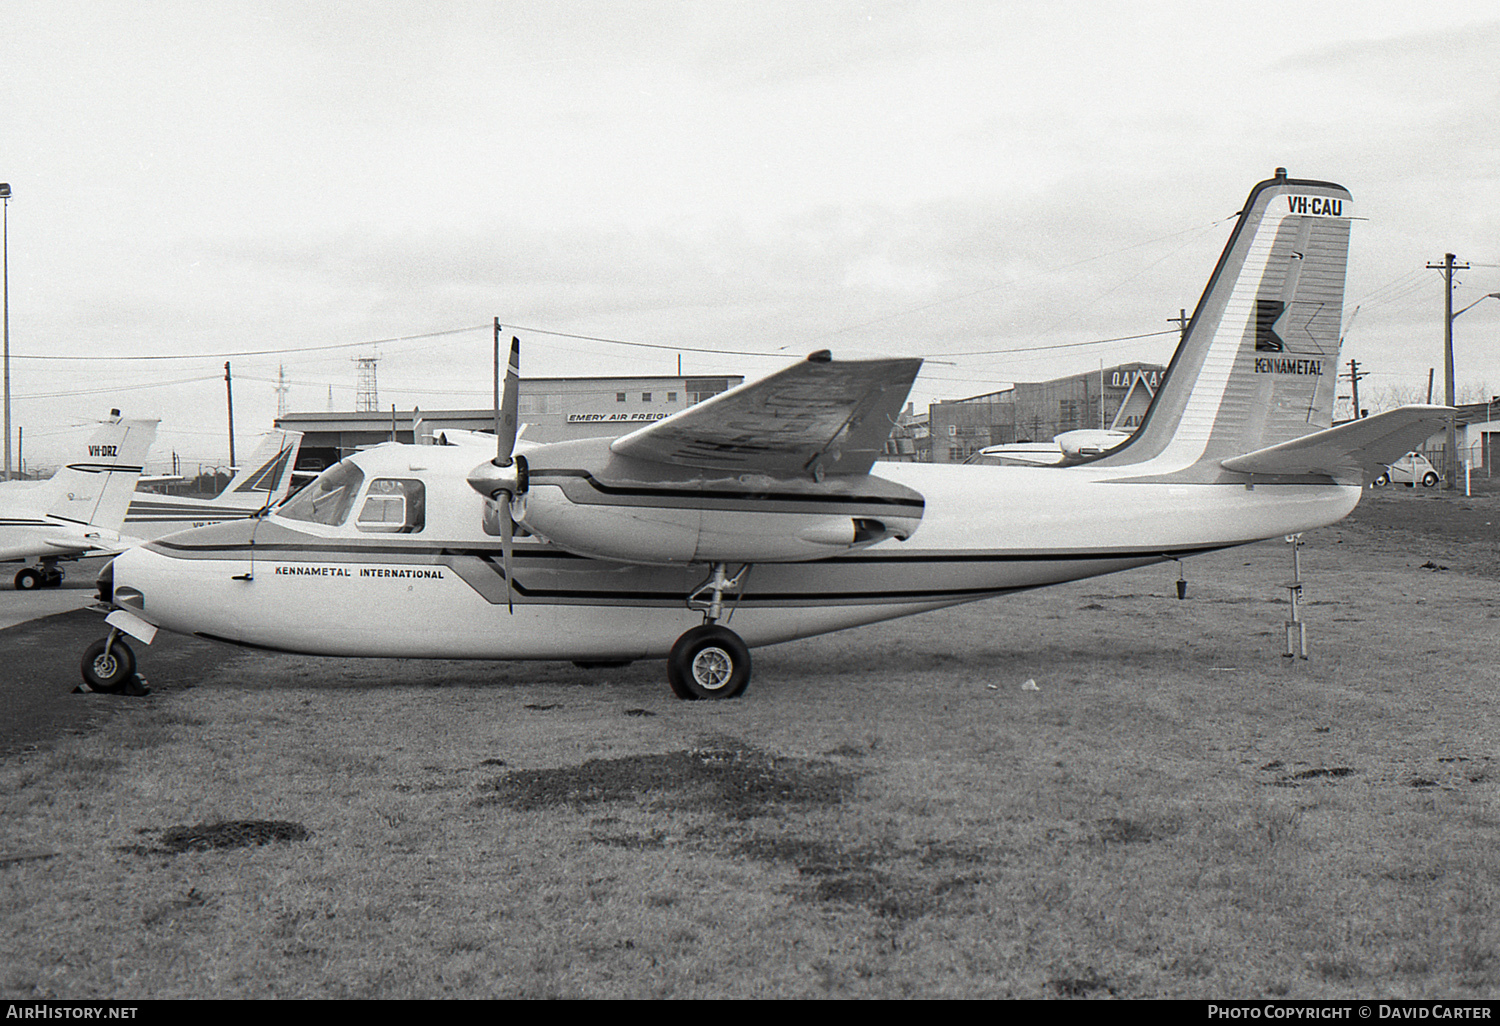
(119, 582)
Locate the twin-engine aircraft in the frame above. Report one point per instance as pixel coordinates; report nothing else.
(763, 508)
(79, 510)
(264, 480)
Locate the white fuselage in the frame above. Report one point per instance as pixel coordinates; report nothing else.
(440, 592)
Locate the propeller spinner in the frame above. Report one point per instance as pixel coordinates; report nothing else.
(506, 474)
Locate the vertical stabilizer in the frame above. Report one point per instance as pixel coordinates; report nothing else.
(1258, 364)
(95, 487)
(267, 473)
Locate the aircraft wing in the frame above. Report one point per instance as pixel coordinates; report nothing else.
(1349, 452)
(65, 545)
(93, 546)
(816, 417)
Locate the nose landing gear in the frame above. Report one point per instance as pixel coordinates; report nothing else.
(108, 664)
(109, 667)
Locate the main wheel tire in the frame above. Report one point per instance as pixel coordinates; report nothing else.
(709, 662)
(108, 671)
(52, 579)
(1429, 479)
(28, 579)
(1383, 479)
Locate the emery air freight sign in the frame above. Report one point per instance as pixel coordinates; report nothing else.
(611, 418)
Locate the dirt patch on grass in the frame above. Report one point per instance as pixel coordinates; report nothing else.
(735, 781)
(741, 787)
(242, 833)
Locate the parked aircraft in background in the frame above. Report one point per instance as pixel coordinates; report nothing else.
(763, 506)
(1068, 445)
(79, 510)
(263, 481)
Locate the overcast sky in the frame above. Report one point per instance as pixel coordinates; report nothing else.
(208, 181)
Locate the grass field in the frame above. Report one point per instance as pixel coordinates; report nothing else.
(1174, 810)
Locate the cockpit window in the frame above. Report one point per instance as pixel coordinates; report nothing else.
(394, 506)
(328, 499)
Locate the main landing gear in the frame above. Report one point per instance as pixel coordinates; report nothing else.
(710, 661)
(31, 578)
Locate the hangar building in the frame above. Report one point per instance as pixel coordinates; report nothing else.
(551, 410)
(1114, 397)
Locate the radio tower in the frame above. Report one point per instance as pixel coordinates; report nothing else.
(367, 397)
(281, 391)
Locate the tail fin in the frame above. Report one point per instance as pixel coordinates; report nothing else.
(95, 489)
(1258, 364)
(268, 471)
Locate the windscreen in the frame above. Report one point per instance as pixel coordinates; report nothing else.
(328, 499)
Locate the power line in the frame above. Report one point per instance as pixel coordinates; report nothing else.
(1062, 345)
(262, 352)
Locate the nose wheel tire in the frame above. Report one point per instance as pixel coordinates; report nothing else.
(708, 662)
(108, 667)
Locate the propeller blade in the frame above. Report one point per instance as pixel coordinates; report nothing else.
(494, 481)
(506, 401)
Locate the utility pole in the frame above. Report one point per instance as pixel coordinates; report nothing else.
(5, 196)
(1450, 456)
(1181, 320)
(1354, 376)
(229, 395)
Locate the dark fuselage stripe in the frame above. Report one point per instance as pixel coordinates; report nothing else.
(316, 553)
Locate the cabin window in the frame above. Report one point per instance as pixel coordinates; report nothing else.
(394, 506)
(328, 499)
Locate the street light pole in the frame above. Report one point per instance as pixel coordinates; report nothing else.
(5, 195)
(1451, 456)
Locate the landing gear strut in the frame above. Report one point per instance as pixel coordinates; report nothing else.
(710, 661)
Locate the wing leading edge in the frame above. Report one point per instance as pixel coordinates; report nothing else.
(816, 417)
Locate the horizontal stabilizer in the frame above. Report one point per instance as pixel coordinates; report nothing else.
(1350, 452)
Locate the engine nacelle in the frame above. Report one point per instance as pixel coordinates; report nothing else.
(587, 500)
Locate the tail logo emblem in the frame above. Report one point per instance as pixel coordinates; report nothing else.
(1267, 313)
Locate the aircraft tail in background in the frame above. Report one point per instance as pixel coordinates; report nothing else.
(94, 488)
(263, 480)
(267, 472)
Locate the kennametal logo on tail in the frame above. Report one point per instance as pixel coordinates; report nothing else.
(1300, 314)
